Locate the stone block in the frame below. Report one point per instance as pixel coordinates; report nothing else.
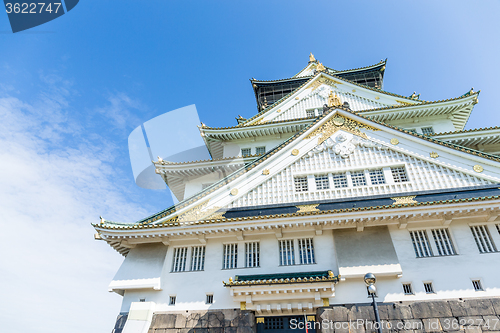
(198, 330)
(495, 302)
(163, 320)
(449, 324)
(216, 330)
(392, 325)
(479, 307)
(197, 320)
(361, 312)
(215, 319)
(413, 324)
(458, 308)
(244, 318)
(470, 321)
(230, 329)
(180, 321)
(395, 311)
(336, 313)
(491, 323)
(341, 327)
(473, 329)
(431, 309)
(246, 329)
(432, 325)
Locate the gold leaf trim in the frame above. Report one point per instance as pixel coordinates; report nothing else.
(434, 154)
(265, 172)
(259, 320)
(295, 152)
(339, 123)
(478, 168)
(322, 80)
(311, 318)
(394, 141)
(404, 200)
(307, 208)
(234, 191)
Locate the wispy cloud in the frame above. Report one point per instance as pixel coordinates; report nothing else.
(54, 276)
(119, 110)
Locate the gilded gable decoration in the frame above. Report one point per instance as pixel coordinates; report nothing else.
(308, 208)
(404, 200)
(346, 124)
(322, 80)
(333, 99)
(344, 145)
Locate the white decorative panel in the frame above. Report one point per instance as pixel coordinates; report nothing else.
(421, 175)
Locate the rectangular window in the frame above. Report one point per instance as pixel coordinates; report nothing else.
(322, 182)
(477, 285)
(429, 289)
(171, 300)
(301, 184)
(274, 323)
(210, 299)
(246, 152)
(287, 255)
(358, 178)
(407, 289)
(310, 113)
(230, 256)
(483, 239)
(427, 130)
(377, 177)
(306, 251)
(412, 130)
(339, 180)
(252, 254)
(443, 242)
(180, 256)
(421, 243)
(399, 174)
(260, 150)
(198, 258)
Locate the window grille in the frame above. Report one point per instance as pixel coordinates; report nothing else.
(230, 256)
(358, 178)
(287, 255)
(246, 152)
(142, 300)
(377, 177)
(319, 111)
(429, 289)
(443, 242)
(412, 130)
(306, 251)
(274, 323)
(340, 180)
(483, 239)
(180, 255)
(301, 184)
(310, 113)
(477, 285)
(198, 258)
(210, 299)
(421, 243)
(252, 254)
(427, 130)
(407, 289)
(322, 182)
(260, 150)
(399, 174)
(172, 300)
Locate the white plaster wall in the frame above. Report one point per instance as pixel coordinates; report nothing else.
(451, 276)
(440, 125)
(194, 185)
(233, 148)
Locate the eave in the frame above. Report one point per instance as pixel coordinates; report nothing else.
(476, 138)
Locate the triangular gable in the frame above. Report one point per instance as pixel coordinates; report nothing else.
(368, 145)
(313, 92)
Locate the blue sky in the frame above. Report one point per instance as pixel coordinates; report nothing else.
(73, 89)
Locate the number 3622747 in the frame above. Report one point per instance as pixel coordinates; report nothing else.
(32, 8)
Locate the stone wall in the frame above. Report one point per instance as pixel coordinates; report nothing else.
(471, 315)
(211, 321)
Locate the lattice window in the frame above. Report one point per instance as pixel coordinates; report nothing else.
(172, 300)
(412, 130)
(230, 256)
(477, 285)
(287, 255)
(427, 130)
(428, 287)
(180, 256)
(377, 177)
(210, 299)
(310, 113)
(252, 254)
(306, 251)
(301, 184)
(399, 174)
(274, 323)
(246, 152)
(421, 243)
(443, 242)
(339, 180)
(407, 289)
(198, 258)
(260, 150)
(322, 182)
(483, 239)
(358, 178)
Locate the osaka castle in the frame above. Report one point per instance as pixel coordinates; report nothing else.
(332, 178)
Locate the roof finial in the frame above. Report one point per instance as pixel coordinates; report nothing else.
(311, 57)
(320, 67)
